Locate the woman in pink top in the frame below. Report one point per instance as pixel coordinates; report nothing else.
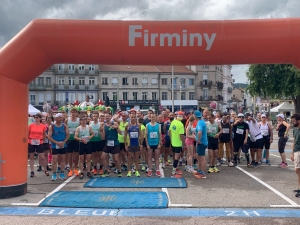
(189, 141)
(36, 136)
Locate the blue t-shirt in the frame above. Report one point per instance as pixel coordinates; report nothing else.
(201, 126)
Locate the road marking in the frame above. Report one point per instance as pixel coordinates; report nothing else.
(167, 193)
(269, 187)
(51, 193)
(280, 157)
(285, 206)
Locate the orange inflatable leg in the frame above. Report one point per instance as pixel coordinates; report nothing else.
(13, 138)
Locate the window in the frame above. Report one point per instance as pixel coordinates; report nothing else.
(125, 95)
(48, 97)
(91, 80)
(32, 99)
(164, 96)
(81, 81)
(124, 82)
(154, 95)
(41, 99)
(61, 68)
(48, 81)
(205, 93)
(114, 81)
(204, 78)
(41, 81)
(104, 80)
(91, 69)
(174, 81)
(81, 96)
(144, 95)
(175, 95)
(135, 95)
(191, 95)
(104, 94)
(182, 81)
(61, 81)
(81, 69)
(154, 81)
(164, 81)
(183, 96)
(134, 81)
(144, 81)
(71, 81)
(71, 68)
(191, 81)
(115, 96)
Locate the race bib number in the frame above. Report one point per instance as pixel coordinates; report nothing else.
(86, 138)
(123, 131)
(57, 147)
(153, 135)
(239, 131)
(265, 132)
(225, 130)
(35, 142)
(111, 143)
(134, 134)
(72, 130)
(96, 133)
(212, 130)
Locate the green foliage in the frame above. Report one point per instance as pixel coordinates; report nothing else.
(275, 81)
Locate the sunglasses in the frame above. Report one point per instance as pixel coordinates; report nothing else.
(36, 117)
(241, 117)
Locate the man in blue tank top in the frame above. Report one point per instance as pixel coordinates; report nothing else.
(58, 135)
(153, 141)
(134, 145)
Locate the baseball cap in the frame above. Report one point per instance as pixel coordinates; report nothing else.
(241, 114)
(58, 115)
(124, 113)
(180, 113)
(263, 115)
(280, 115)
(132, 110)
(247, 114)
(198, 114)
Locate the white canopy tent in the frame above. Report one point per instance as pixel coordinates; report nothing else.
(283, 107)
(32, 110)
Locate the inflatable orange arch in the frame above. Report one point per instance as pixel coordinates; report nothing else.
(45, 42)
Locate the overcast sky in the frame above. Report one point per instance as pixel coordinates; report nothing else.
(15, 14)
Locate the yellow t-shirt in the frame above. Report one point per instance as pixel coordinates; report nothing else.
(176, 128)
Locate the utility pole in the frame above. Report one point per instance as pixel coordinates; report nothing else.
(173, 89)
(118, 106)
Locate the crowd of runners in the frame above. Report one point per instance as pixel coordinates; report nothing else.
(102, 143)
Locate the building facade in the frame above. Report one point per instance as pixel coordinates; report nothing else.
(141, 87)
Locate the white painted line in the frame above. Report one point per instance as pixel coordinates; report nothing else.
(280, 157)
(269, 187)
(285, 206)
(51, 193)
(180, 205)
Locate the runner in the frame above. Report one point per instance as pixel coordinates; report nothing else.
(213, 131)
(295, 157)
(167, 143)
(84, 134)
(267, 133)
(225, 139)
(122, 125)
(144, 148)
(58, 136)
(49, 120)
(110, 132)
(202, 142)
(103, 143)
(153, 141)
(176, 132)
(96, 142)
(256, 141)
(283, 130)
(204, 116)
(163, 135)
(189, 141)
(72, 144)
(240, 130)
(134, 145)
(36, 137)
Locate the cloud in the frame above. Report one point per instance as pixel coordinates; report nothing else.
(14, 15)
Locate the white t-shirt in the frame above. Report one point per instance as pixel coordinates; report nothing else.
(254, 131)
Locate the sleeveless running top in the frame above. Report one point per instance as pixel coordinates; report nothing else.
(225, 136)
(58, 134)
(96, 130)
(133, 133)
(122, 128)
(72, 127)
(111, 136)
(84, 133)
(264, 129)
(212, 129)
(167, 128)
(281, 130)
(153, 132)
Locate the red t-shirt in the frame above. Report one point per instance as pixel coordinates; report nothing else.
(36, 132)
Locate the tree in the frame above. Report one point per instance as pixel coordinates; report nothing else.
(275, 81)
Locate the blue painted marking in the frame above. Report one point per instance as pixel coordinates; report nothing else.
(107, 199)
(170, 212)
(135, 182)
